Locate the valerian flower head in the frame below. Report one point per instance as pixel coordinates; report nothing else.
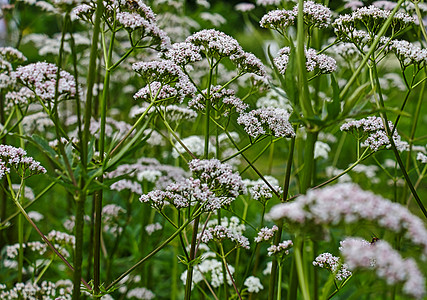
(281, 249)
(374, 134)
(387, 263)
(269, 121)
(15, 158)
(316, 15)
(319, 208)
(12, 55)
(165, 80)
(408, 53)
(320, 63)
(41, 77)
(332, 263)
(222, 99)
(220, 233)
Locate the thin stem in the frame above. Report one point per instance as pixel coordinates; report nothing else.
(279, 282)
(151, 254)
(300, 269)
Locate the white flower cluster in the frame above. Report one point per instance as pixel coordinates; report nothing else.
(233, 224)
(371, 18)
(151, 228)
(315, 14)
(12, 54)
(259, 190)
(194, 143)
(40, 77)
(269, 120)
(387, 263)
(266, 234)
(183, 53)
(408, 53)
(244, 7)
(212, 267)
(141, 293)
(23, 97)
(62, 289)
(12, 157)
(332, 263)
(7, 76)
(253, 284)
(321, 63)
(422, 157)
(220, 233)
(164, 79)
(319, 207)
(281, 249)
(61, 238)
(268, 2)
(222, 98)
(373, 129)
(215, 187)
(214, 43)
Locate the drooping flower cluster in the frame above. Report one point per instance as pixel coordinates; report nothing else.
(220, 233)
(387, 263)
(319, 207)
(269, 121)
(282, 249)
(223, 99)
(41, 77)
(332, 263)
(164, 80)
(266, 234)
(372, 130)
(216, 186)
(321, 63)
(11, 157)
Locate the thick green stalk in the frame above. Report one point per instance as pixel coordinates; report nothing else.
(279, 282)
(300, 268)
(304, 95)
(91, 76)
(278, 236)
(101, 146)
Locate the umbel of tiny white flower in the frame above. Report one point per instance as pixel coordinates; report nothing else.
(387, 263)
(15, 158)
(372, 130)
(215, 186)
(319, 208)
(40, 78)
(332, 263)
(319, 63)
(165, 81)
(267, 121)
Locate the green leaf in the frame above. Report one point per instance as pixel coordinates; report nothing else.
(354, 98)
(44, 145)
(334, 106)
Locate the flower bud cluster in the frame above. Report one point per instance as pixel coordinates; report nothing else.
(62, 289)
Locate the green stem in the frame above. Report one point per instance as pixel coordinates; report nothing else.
(278, 235)
(279, 282)
(300, 268)
(374, 45)
(151, 254)
(393, 146)
(192, 256)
